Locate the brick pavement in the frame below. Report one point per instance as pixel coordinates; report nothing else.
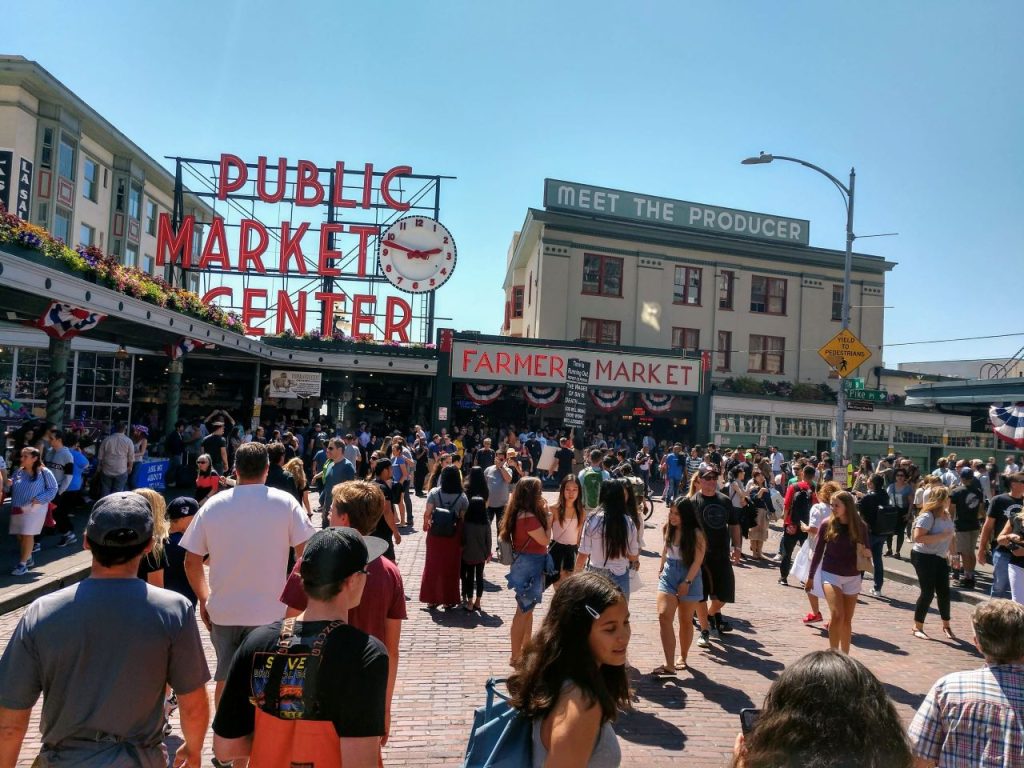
(447, 655)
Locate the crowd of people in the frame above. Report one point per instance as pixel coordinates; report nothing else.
(305, 621)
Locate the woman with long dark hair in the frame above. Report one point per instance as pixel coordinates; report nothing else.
(571, 681)
(33, 487)
(526, 525)
(476, 539)
(680, 584)
(840, 541)
(609, 543)
(829, 711)
(567, 520)
(441, 570)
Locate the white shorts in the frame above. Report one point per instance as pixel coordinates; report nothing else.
(30, 522)
(848, 585)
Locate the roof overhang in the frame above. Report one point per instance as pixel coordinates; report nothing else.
(968, 392)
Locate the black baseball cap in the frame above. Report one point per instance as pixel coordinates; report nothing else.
(708, 472)
(966, 472)
(120, 520)
(334, 554)
(183, 506)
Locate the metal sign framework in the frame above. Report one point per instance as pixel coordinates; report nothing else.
(421, 192)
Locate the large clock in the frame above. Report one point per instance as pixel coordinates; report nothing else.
(417, 254)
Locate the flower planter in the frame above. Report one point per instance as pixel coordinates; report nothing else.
(349, 347)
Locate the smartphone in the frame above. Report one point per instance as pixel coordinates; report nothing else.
(748, 717)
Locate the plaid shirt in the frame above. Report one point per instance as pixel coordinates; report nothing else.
(973, 719)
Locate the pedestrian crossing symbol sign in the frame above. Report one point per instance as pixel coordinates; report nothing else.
(844, 352)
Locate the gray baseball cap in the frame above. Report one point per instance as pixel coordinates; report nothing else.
(120, 520)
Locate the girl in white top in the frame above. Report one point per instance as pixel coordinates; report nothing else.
(609, 537)
(567, 518)
(571, 678)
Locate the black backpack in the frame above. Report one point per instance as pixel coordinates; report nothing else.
(800, 510)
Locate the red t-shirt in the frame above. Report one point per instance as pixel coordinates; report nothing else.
(383, 597)
(523, 541)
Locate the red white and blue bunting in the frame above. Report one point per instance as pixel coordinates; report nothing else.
(655, 402)
(62, 321)
(183, 346)
(541, 397)
(1008, 423)
(607, 399)
(483, 394)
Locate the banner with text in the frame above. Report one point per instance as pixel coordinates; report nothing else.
(294, 384)
(577, 373)
(544, 365)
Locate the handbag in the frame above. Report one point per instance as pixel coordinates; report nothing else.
(506, 552)
(864, 562)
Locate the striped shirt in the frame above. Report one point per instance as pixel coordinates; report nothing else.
(25, 490)
(973, 719)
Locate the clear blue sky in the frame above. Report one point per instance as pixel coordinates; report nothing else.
(924, 98)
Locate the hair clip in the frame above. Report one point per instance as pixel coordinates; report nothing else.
(594, 614)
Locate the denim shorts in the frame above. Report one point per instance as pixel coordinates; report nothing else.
(620, 579)
(526, 579)
(672, 577)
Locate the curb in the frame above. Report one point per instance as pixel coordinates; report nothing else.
(23, 597)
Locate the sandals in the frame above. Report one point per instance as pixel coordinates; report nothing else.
(663, 671)
(920, 635)
(948, 632)
(681, 663)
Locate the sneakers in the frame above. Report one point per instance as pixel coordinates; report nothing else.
(811, 618)
(719, 624)
(967, 584)
(67, 538)
(37, 547)
(21, 570)
(875, 592)
(704, 640)
(783, 583)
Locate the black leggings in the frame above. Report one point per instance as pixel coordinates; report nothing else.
(789, 543)
(933, 576)
(469, 573)
(901, 532)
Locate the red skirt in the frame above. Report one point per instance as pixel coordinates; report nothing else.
(440, 584)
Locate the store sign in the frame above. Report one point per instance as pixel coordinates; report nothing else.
(536, 365)
(307, 249)
(647, 209)
(6, 177)
(577, 374)
(288, 385)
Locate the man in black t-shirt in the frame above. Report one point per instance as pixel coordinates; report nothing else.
(387, 526)
(564, 456)
(968, 502)
(317, 684)
(721, 523)
(215, 445)
(485, 456)
(1002, 508)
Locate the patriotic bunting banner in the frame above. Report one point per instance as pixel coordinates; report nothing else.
(183, 346)
(62, 321)
(656, 402)
(1008, 423)
(542, 397)
(483, 394)
(607, 399)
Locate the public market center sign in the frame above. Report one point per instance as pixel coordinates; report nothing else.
(648, 209)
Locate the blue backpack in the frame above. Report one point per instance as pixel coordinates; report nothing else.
(501, 737)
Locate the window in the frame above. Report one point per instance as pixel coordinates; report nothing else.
(62, 224)
(794, 426)
(30, 381)
(602, 275)
(725, 282)
(766, 354)
(86, 235)
(43, 216)
(115, 246)
(508, 314)
(147, 263)
(517, 301)
(529, 290)
(599, 331)
(837, 302)
(135, 202)
(90, 172)
(119, 197)
(685, 338)
(723, 351)
(66, 159)
(768, 295)
(46, 154)
(150, 217)
(742, 423)
(131, 256)
(686, 288)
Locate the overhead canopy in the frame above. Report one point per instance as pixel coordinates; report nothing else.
(968, 392)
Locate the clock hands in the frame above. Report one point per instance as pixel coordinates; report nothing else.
(393, 244)
(412, 252)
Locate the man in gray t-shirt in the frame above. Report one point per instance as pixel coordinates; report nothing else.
(101, 653)
(499, 482)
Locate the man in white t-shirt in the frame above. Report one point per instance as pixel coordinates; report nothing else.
(777, 459)
(247, 532)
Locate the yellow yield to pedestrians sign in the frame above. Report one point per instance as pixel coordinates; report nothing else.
(844, 352)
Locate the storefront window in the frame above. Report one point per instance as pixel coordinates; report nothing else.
(6, 371)
(791, 426)
(33, 369)
(745, 423)
(870, 432)
(921, 435)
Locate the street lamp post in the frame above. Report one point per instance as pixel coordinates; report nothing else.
(847, 193)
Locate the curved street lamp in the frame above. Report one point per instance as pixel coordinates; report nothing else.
(847, 193)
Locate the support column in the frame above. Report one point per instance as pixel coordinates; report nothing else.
(441, 397)
(174, 371)
(702, 409)
(56, 390)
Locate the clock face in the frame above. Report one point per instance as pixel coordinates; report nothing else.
(417, 254)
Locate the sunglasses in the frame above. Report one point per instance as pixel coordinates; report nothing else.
(202, 463)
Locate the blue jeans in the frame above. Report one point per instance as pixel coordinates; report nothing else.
(112, 483)
(1000, 574)
(671, 488)
(877, 542)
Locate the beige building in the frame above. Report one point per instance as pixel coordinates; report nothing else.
(622, 268)
(73, 173)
